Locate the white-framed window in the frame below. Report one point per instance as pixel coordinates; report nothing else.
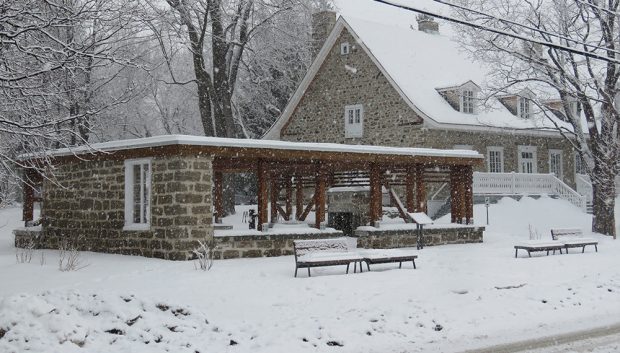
(524, 108)
(580, 166)
(495, 159)
(555, 163)
(354, 120)
(527, 159)
(345, 48)
(468, 101)
(137, 194)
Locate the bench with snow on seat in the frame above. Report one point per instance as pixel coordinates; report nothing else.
(539, 245)
(384, 256)
(326, 252)
(573, 238)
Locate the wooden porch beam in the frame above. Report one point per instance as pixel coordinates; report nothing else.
(28, 190)
(275, 192)
(288, 187)
(299, 197)
(420, 194)
(263, 197)
(375, 212)
(409, 189)
(307, 209)
(320, 195)
(218, 199)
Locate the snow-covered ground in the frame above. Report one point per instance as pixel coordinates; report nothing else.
(460, 297)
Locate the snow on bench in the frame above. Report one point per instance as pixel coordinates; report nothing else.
(384, 256)
(561, 238)
(343, 251)
(539, 245)
(573, 238)
(325, 252)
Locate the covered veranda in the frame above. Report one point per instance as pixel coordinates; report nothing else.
(88, 195)
(288, 172)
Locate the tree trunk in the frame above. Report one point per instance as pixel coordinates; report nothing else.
(604, 197)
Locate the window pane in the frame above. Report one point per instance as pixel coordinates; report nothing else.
(136, 193)
(350, 116)
(357, 116)
(145, 192)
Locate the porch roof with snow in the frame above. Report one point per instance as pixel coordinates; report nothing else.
(230, 151)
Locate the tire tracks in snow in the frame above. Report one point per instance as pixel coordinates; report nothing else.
(551, 341)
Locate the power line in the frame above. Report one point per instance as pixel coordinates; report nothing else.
(501, 32)
(514, 23)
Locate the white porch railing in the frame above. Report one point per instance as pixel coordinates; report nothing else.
(522, 183)
(584, 187)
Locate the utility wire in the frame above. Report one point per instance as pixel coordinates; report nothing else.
(501, 32)
(514, 23)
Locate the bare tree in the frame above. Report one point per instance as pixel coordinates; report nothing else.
(56, 59)
(586, 87)
(220, 35)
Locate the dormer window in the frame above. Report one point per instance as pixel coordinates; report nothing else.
(462, 98)
(345, 49)
(524, 108)
(468, 101)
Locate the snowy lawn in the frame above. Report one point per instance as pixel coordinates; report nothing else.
(460, 297)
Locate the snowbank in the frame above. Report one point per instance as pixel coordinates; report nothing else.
(460, 297)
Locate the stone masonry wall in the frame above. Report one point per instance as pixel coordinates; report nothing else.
(266, 245)
(87, 205)
(388, 120)
(403, 238)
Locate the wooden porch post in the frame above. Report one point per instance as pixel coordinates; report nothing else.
(458, 194)
(299, 197)
(420, 205)
(28, 190)
(376, 210)
(469, 194)
(320, 193)
(263, 197)
(454, 202)
(288, 186)
(218, 196)
(409, 189)
(275, 192)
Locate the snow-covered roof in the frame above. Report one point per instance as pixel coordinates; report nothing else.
(419, 65)
(167, 140)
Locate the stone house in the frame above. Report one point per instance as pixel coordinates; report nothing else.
(383, 84)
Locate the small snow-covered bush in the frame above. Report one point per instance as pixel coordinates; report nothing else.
(204, 256)
(24, 255)
(69, 257)
(534, 234)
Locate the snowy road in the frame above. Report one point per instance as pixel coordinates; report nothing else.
(599, 340)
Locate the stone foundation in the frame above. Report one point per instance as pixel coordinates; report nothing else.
(267, 245)
(406, 238)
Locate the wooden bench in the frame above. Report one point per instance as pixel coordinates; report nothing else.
(326, 252)
(539, 245)
(573, 238)
(384, 256)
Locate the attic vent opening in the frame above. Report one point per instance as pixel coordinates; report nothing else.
(345, 48)
(427, 24)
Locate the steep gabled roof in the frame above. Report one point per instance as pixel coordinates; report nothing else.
(417, 64)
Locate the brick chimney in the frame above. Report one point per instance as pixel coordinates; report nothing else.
(427, 24)
(322, 24)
